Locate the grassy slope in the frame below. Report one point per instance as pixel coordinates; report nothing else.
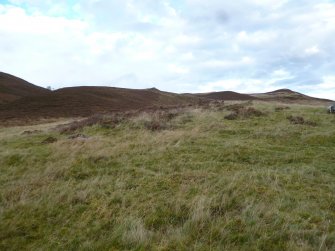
(208, 184)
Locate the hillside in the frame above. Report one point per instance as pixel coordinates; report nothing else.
(13, 88)
(187, 179)
(226, 95)
(289, 96)
(20, 100)
(85, 101)
(281, 95)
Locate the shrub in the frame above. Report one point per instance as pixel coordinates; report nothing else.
(281, 108)
(108, 121)
(232, 116)
(49, 140)
(298, 120)
(250, 112)
(240, 111)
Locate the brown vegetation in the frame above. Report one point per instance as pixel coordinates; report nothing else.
(151, 119)
(281, 108)
(24, 103)
(226, 95)
(242, 110)
(290, 97)
(49, 140)
(298, 120)
(13, 88)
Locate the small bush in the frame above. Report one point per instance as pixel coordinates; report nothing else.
(31, 132)
(298, 120)
(78, 136)
(218, 105)
(281, 108)
(240, 111)
(232, 116)
(107, 121)
(236, 107)
(155, 121)
(49, 140)
(250, 112)
(155, 125)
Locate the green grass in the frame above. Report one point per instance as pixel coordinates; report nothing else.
(205, 183)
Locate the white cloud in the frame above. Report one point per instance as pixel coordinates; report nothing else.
(312, 51)
(256, 38)
(244, 85)
(178, 69)
(228, 64)
(281, 74)
(328, 82)
(324, 89)
(186, 45)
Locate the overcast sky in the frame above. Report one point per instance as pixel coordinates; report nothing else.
(174, 45)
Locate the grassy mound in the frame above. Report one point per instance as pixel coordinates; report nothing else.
(183, 180)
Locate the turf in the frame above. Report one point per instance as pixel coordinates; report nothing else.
(200, 182)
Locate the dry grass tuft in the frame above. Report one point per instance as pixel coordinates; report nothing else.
(135, 232)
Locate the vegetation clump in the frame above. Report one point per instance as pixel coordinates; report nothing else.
(243, 111)
(78, 136)
(298, 120)
(49, 140)
(30, 132)
(281, 108)
(108, 121)
(232, 116)
(157, 120)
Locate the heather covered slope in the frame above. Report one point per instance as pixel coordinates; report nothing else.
(85, 101)
(22, 101)
(13, 88)
(289, 96)
(281, 95)
(226, 95)
(190, 180)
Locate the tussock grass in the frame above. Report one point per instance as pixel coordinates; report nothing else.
(200, 182)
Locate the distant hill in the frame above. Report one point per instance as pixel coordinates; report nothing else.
(86, 101)
(13, 88)
(20, 99)
(226, 95)
(289, 96)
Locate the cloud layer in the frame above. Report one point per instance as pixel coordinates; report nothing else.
(181, 46)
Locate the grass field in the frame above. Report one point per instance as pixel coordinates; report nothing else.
(198, 182)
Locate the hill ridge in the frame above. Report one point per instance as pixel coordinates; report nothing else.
(20, 99)
(13, 88)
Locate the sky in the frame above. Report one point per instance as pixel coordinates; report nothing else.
(247, 46)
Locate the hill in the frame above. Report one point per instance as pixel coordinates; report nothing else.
(13, 88)
(20, 99)
(281, 95)
(85, 101)
(289, 96)
(226, 95)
